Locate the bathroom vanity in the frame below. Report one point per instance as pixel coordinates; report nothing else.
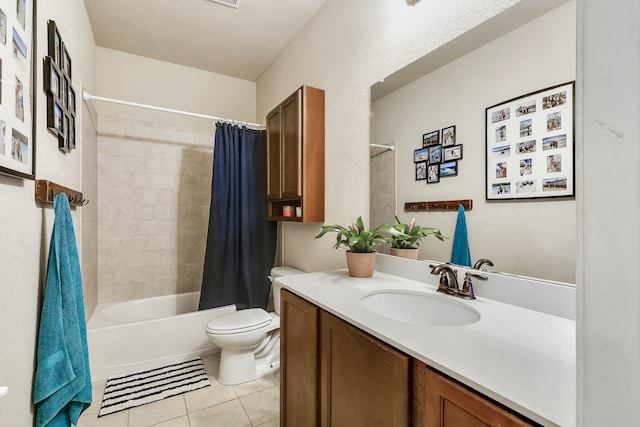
(346, 363)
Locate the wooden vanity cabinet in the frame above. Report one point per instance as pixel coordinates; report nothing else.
(441, 402)
(363, 382)
(333, 374)
(295, 156)
(299, 361)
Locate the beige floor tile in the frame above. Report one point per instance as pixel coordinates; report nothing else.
(228, 414)
(215, 394)
(90, 419)
(254, 386)
(262, 406)
(273, 423)
(153, 413)
(182, 421)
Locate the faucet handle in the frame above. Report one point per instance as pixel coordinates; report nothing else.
(482, 261)
(467, 286)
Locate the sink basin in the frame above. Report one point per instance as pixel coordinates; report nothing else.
(420, 308)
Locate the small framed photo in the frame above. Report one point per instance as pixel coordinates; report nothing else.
(51, 77)
(55, 43)
(63, 137)
(431, 138)
(72, 101)
(66, 61)
(449, 136)
(421, 171)
(452, 153)
(420, 155)
(54, 116)
(435, 154)
(433, 174)
(64, 93)
(449, 169)
(72, 133)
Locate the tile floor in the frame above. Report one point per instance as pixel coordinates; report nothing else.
(252, 404)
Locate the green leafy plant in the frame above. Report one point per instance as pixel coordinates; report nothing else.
(356, 239)
(408, 236)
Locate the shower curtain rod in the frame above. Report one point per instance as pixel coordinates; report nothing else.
(88, 97)
(388, 147)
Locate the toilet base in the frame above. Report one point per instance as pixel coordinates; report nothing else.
(241, 366)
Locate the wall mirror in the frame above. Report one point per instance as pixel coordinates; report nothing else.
(527, 48)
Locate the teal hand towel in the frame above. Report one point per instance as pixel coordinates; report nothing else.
(62, 385)
(460, 254)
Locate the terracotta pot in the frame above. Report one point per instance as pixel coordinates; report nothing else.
(361, 264)
(406, 253)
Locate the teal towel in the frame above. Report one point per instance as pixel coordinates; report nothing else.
(62, 386)
(460, 254)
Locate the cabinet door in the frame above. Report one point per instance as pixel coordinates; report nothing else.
(298, 362)
(363, 381)
(273, 154)
(291, 146)
(441, 402)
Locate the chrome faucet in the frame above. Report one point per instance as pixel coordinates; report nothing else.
(448, 279)
(482, 261)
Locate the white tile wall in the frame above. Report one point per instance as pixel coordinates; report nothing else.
(154, 189)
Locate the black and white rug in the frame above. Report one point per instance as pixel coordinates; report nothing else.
(138, 388)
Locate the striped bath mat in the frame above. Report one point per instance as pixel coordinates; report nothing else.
(138, 388)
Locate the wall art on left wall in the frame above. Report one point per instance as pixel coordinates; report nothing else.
(17, 97)
(61, 98)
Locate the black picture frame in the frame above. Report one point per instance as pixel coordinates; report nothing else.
(420, 155)
(55, 43)
(435, 154)
(421, 171)
(433, 174)
(51, 78)
(453, 152)
(66, 61)
(522, 135)
(18, 116)
(431, 138)
(448, 169)
(72, 101)
(449, 136)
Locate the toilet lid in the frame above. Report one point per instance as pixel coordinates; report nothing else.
(239, 321)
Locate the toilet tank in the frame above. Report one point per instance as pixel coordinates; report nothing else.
(275, 287)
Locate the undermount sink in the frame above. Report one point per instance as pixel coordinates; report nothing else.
(420, 308)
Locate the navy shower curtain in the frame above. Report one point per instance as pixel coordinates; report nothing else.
(241, 243)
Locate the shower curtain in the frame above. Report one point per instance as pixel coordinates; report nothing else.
(241, 243)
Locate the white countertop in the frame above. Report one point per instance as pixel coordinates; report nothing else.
(521, 358)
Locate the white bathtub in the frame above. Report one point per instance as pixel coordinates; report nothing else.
(145, 333)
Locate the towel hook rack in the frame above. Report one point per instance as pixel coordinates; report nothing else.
(46, 191)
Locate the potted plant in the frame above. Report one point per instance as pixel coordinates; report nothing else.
(360, 244)
(406, 239)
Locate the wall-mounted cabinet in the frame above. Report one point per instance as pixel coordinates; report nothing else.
(295, 157)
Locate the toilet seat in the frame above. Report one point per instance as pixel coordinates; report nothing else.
(240, 321)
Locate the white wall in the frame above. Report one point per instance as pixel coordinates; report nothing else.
(27, 226)
(609, 208)
(532, 238)
(148, 81)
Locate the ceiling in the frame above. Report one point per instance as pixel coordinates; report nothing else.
(202, 34)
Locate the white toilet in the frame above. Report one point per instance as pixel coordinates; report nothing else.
(249, 339)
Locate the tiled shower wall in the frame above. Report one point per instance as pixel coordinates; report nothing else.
(154, 189)
(382, 188)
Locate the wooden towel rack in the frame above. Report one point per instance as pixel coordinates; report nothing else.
(47, 190)
(442, 205)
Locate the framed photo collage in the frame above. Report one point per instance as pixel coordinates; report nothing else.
(530, 145)
(17, 111)
(61, 97)
(439, 155)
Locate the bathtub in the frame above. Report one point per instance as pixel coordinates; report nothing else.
(145, 333)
